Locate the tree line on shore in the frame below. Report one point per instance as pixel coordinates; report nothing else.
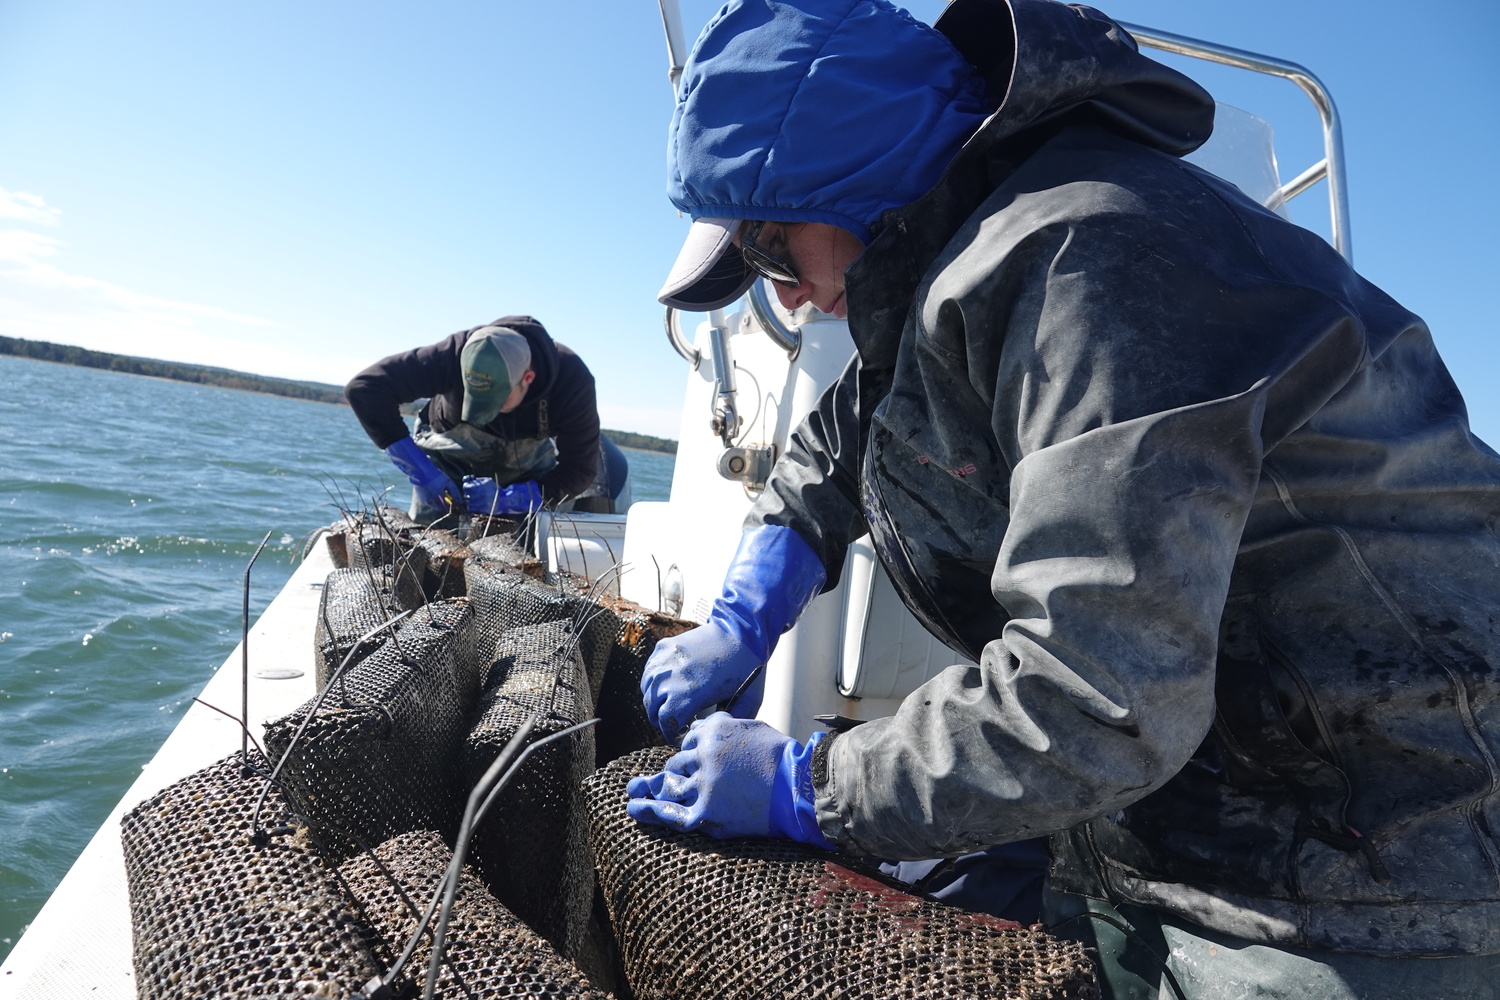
(318, 392)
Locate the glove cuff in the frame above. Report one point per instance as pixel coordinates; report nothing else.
(793, 813)
(772, 579)
(409, 457)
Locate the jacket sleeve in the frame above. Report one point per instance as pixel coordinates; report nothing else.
(573, 415)
(1137, 373)
(814, 487)
(376, 394)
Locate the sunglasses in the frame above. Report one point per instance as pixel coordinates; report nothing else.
(762, 261)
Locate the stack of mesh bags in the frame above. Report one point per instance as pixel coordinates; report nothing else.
(616, 637)
(759, 920)
(378, 754)
(358, 529)
(380, 537)
(532, 847)
(219, 913)
(508, 595)
(378, 575)
(354, 603)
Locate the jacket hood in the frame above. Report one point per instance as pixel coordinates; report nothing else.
(1042, 61)
(817, 111)
(838, 110)
(1046, 66)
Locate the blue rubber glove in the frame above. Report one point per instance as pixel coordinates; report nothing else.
(519, 498)
(481, 494)
(433, 487)
(773, 578)
(733, 778)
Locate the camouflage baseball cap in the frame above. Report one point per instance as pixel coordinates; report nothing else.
(493, 360)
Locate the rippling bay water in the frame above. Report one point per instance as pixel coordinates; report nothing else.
(128, 509)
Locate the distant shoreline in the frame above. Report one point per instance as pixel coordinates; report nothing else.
(225, 378)
(41, 350)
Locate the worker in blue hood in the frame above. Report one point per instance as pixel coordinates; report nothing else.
(831, 131)
(1199, 503)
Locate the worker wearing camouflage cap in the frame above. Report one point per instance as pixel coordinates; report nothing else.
(510, 423)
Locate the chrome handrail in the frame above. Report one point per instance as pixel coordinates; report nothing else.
(689, 353)
(788, 338)
(1332, 164)
(671, 22)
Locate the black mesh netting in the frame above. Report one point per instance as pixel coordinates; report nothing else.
(215, 916)
(532, 846)
(377, 537)
(506, 596)
(389, 521)
(396, 746)
(502, 548)
(444, 556)
(354, 602)
(490, 953)
(623, 725)
(379, 756)
(734, 919)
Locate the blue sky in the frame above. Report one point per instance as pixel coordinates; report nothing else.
(299, 188)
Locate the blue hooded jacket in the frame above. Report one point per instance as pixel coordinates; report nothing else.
(802, 112)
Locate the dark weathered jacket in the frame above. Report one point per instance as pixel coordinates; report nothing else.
(1201, 502)
(560, 403)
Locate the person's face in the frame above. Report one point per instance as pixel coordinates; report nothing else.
(819, 253)
(518, 392)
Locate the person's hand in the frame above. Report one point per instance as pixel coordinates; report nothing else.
(481, 495)
(772, 579)
(432, 485)
(518, 498)
(696, 670)
(732, 778)
(484, 496)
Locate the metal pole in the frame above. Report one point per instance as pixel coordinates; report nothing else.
(671, 22)
(245, 659)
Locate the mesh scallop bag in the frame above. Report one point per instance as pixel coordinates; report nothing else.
(216, 916)
(498, 546)
(507, 597)
(623, 725)
(617, 636)
(532, 847)
(355, 601)
(762, 919)
(377, 537)
(379, 755)
(444, 559)
(490, 953)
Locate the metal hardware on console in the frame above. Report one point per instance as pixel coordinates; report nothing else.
(727, 420)
(751, 466)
